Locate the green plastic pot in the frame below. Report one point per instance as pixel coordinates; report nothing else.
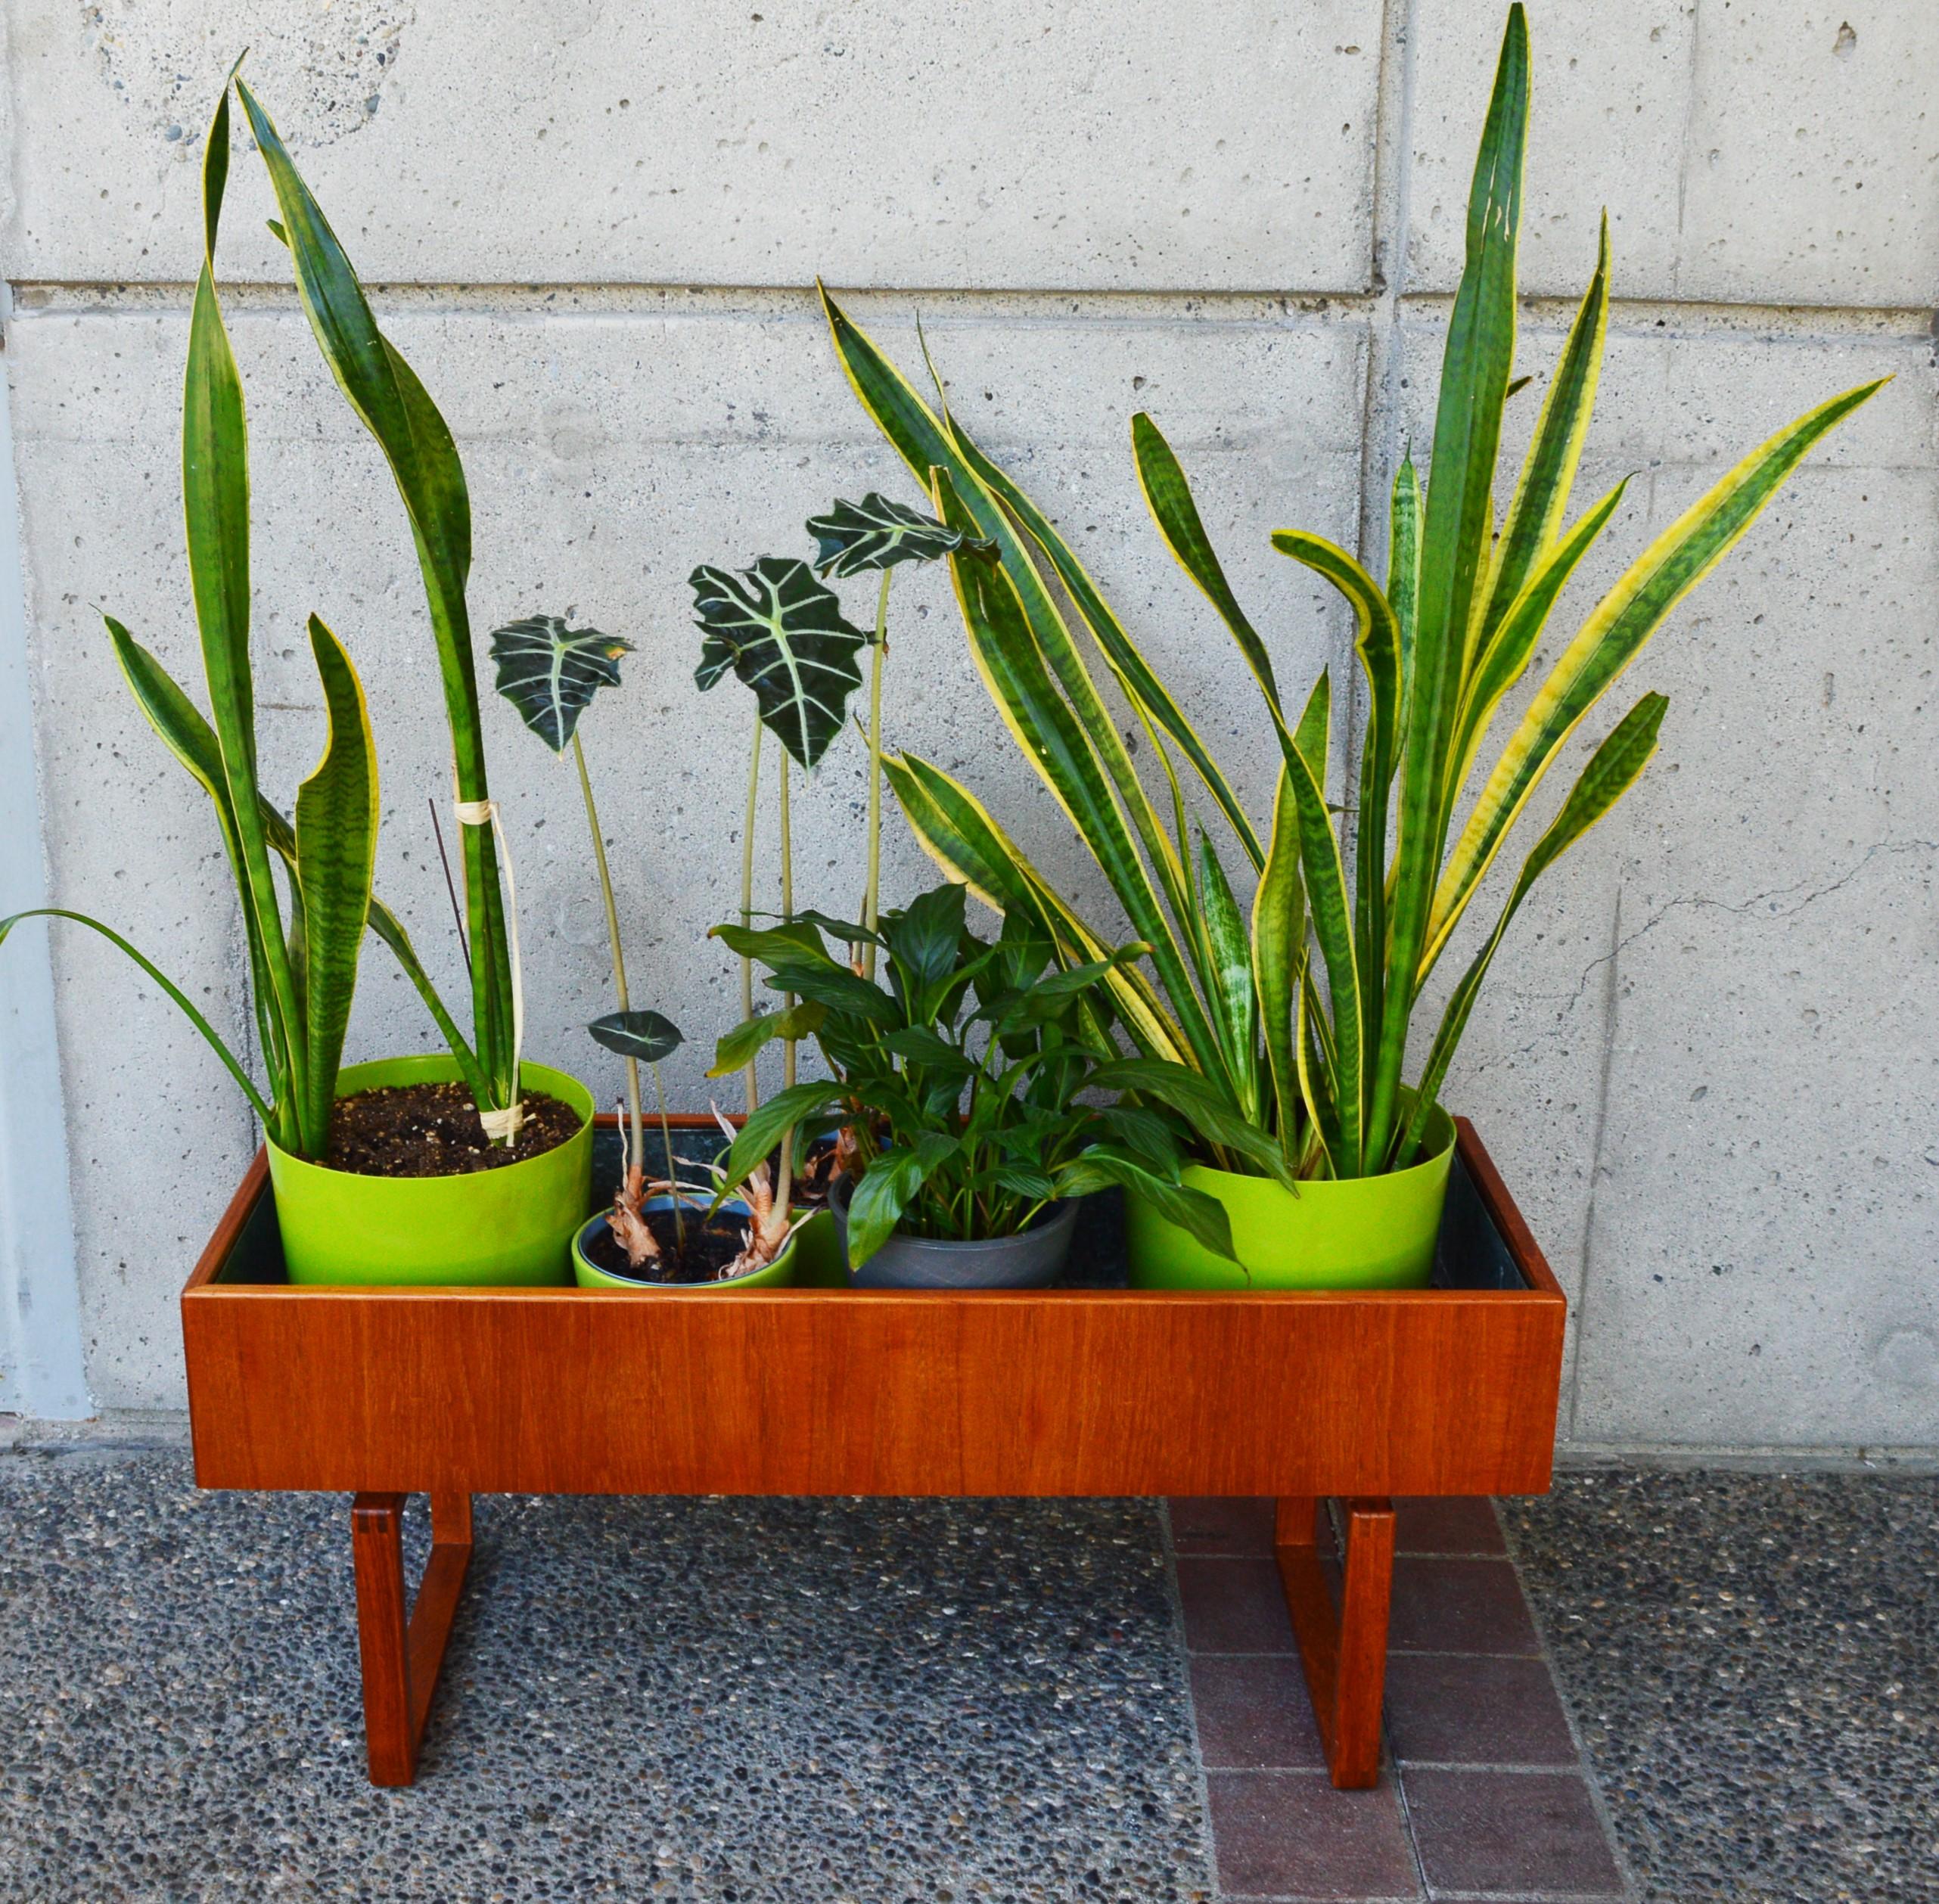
(1363, 1233)
(778, 1274)
(513, 1225)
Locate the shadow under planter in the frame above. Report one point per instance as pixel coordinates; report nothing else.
(1100, 1389)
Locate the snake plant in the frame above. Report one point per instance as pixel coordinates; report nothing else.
(385, 393)
(302, 970)
(1289, 1064)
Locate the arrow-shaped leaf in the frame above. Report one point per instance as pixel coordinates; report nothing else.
(876, 533)
(550, 672)
(783, 634)
(644, 1034)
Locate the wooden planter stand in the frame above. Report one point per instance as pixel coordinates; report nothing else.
(383, 1393)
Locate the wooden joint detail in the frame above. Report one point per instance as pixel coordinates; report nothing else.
(1344, 1650)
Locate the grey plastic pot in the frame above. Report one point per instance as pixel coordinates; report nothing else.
(1027, 1261)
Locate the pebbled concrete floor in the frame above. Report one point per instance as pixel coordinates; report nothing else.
(760, 1701)
(893, 1703)
(1752, 1661)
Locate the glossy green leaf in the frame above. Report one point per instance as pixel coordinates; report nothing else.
(550, 672)
(887, 1187)
(645, 1036)
(784, 635)
(876, 533)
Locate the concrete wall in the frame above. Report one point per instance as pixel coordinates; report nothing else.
(1707, 1062)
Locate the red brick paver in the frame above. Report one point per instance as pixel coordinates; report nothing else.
(1483, 1791)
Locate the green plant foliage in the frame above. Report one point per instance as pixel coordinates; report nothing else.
(783, 635)
(645, 1036)
(395, 407)
(303, 969)
(1352, 910)
(877, 533)
(550, 672)
(957, 1080)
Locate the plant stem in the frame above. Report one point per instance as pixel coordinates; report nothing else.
(673, 1178)
(874, 889)
(784, 1181)
(747, 895)
(612, 937)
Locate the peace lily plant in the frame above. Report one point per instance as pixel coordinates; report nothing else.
(1280, 1031)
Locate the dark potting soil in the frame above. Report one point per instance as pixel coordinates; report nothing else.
(709, 1248)
(432, 1130)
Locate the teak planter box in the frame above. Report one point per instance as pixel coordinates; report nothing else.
(1091, 1391)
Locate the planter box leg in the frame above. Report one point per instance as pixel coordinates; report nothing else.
(401, 1655)
(1344, 1653)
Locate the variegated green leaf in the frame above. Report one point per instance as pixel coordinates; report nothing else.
(1613, 634)
(1612, 770)
(783, 635)
(1475, 367)
(550, 672)
(877, 533)
(336, 846)
(1279, 960)
(1541, 496)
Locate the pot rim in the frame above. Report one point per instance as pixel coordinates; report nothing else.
(733, 1204)
(289, 1159)
(1432, 1160)
(1059, 1212)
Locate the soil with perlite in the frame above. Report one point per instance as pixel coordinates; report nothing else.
(432, 1130)
(709, 1246)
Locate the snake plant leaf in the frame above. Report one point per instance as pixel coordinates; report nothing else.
(1056, 742)
(394, 406)
(877, 533)
(1229, 963)
(1377, 643)
(215, 489)
(956, 830)
(1511, 646)
(1168, 496)
(1475, 368)
(550, 672)
(1613, 634)
(1279, 960)
(170, 988)
(1333, 928)
(783, 634)
(1403, 578)
(336, 848)
(1612, 770)
(189, 736)
(646, 1036)
(1547, 473)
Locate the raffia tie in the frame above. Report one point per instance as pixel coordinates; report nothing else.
(502, 1126)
